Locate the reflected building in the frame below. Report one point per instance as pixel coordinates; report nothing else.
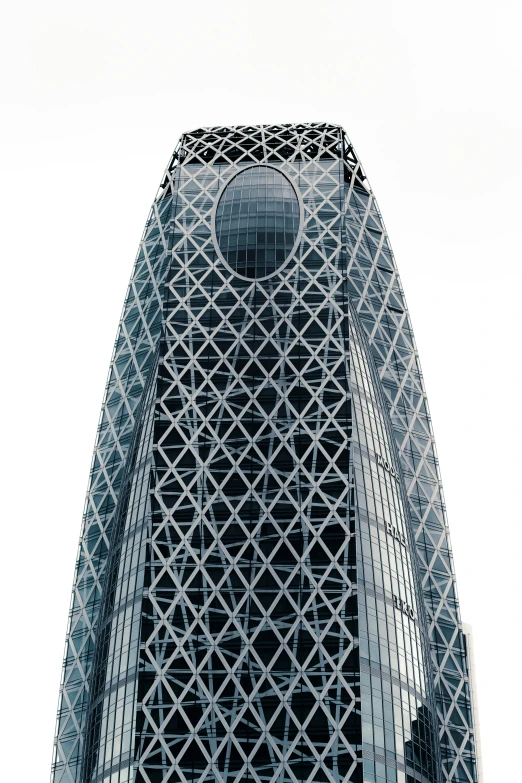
(264, 587)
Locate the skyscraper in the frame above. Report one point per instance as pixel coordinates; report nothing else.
(264, 587)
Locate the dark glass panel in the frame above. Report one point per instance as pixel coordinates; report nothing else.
(257, 221)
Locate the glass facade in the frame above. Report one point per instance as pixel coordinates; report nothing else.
(264, 588)
(257, 221)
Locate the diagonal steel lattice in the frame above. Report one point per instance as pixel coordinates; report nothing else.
(235, 619)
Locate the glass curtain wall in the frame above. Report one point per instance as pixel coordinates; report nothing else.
(254, 594)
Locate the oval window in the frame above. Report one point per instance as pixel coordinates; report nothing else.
(257, 221)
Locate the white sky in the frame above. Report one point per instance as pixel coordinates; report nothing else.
(94, 98)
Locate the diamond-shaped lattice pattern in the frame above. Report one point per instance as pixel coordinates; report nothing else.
(376, 292)
(262, 614)
(136, 341)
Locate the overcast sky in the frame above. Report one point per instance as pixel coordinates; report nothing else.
(94, 98)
